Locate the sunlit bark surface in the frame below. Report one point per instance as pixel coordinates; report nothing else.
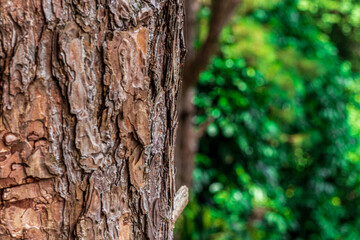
(88, 118)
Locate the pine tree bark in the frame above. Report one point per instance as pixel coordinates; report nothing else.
(88, 118)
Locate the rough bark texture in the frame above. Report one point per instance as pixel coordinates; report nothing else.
(88, 118)
(196, 62)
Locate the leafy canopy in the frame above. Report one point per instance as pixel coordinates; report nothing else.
(281, 158)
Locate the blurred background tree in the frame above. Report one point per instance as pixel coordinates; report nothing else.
(197, 58)
(279, 101)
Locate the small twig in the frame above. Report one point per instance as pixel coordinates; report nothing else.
(201, 129)
(180, 202)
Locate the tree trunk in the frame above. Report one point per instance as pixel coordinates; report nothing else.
(88, 118)
(196, 61)
(187, 140)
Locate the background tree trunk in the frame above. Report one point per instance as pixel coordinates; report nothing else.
(88, 118)
(196, 62)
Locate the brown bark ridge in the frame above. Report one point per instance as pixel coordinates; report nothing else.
(196, 62)
(88, 118)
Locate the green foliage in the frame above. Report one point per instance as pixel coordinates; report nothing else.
(281, 159)
(340, 21)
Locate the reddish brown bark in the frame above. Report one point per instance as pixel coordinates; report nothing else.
(88, 118)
